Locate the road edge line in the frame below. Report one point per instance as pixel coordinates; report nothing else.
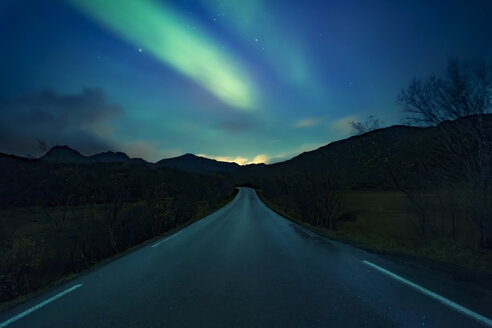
(164, 240)
(455, 306)
(40, 305)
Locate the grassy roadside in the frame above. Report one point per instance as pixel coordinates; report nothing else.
(452, 259)
(201, 213)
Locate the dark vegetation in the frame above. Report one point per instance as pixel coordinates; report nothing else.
(316, 180)
(60, 218)
(186, 162)
(424, 188)
(387, 190)
(463, 94)
(361, 127)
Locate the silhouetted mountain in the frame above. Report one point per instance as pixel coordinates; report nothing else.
(110, 157)
(64, 154)
(14, 158)
(362, 161)
(356, 162)
(123, 198)
(187, 162)
(67, 155)
(193, 163)
(255, 165)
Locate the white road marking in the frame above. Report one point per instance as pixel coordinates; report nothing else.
(40, 305)
(309, 233)
(480, 318)
(164, 240)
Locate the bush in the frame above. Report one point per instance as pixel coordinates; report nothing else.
(18, 266)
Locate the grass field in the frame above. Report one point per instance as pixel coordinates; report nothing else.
(385, 221)
(34, 255)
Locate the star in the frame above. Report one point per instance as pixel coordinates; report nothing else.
(139, 49)
(256, 40)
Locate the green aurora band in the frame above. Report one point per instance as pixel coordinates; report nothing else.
(171, 38)
(284, 52)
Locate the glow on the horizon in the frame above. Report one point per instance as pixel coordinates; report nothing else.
(176, 41)
(238, 159)
(262, 158)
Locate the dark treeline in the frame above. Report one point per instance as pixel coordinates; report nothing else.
(311, 185)
(403, 159)
(31, 182)
(440, 166)
(317, 202)
(83, 214)
(441, 161)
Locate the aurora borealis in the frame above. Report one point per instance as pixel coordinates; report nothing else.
(172, 39)
(244, 81)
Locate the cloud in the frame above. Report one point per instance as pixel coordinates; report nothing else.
(141, 149)
(79, 120)
(235, 122)
(282, 157)
(148, 150)
(289, 154)
(234, 126)
(262, 158)
(310, 146)
(307, 123)
(343, 124)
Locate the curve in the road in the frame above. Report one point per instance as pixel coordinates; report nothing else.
(245, 266)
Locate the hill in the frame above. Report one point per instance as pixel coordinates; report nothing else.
(67, 155)
(187, 162)
(363, 162)
(193, 163)
(64, 154)
(358, 162)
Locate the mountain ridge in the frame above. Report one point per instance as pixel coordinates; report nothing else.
(67, 155)
(194, 163)
(365, 154)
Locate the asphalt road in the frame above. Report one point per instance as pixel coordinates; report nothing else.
(245, 266)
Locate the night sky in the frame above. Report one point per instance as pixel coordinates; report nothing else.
(238, 80)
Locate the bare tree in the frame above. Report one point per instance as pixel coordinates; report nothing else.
(450, 213)
(419, 203)
(56, 221)
(463, 94)
(331, 202)
(52, 199)
(370, 124)
(114, 221)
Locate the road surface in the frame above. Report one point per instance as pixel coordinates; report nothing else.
(245, 266)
